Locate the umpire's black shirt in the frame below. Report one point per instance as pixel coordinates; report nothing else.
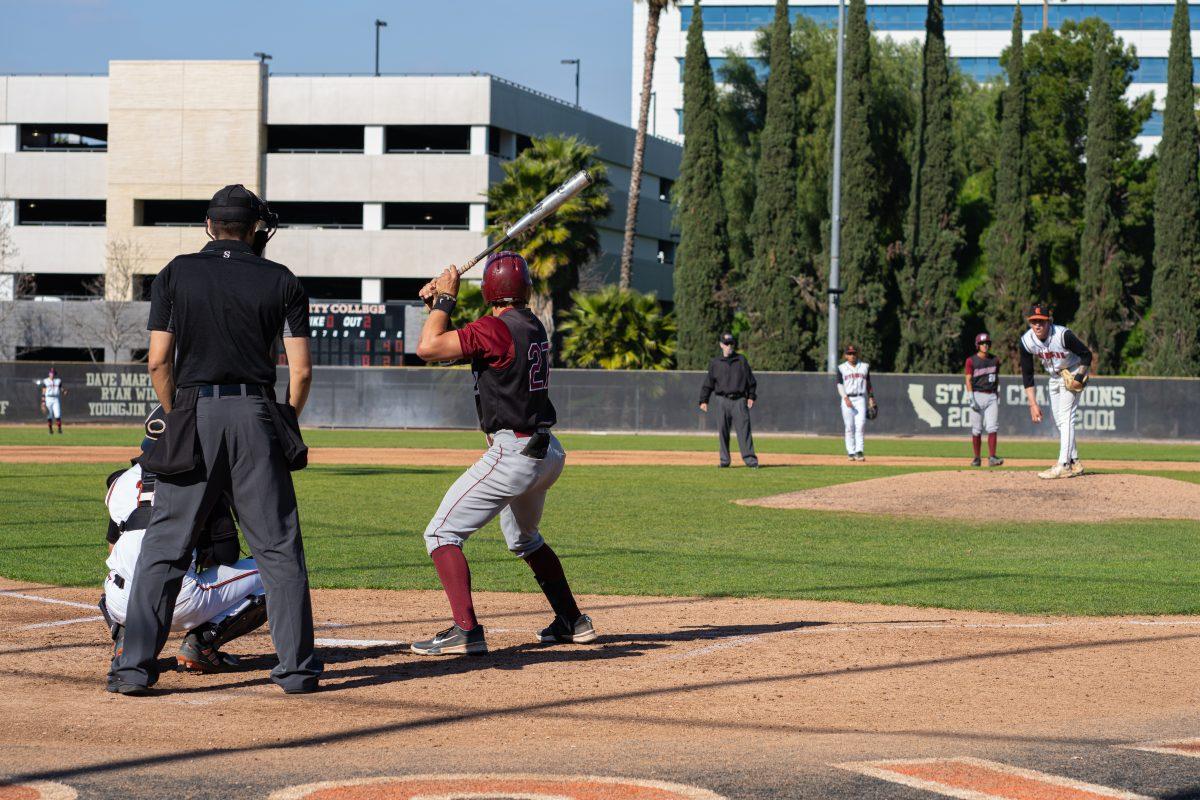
(730, 377)
(227, 308)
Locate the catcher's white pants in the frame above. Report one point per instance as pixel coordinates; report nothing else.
(855, 419)
(209, 596)
(985, 413)
(504, 482)
(53, 407)
(1062, 406)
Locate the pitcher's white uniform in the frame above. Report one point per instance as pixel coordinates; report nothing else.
(854, 382)
(207, 596)
(52, 396)
(1060, 349)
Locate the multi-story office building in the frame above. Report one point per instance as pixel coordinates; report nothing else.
(976, 34)
(378, 181)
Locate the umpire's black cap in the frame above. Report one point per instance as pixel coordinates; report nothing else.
(235, 203)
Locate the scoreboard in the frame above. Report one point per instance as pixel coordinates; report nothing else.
(351, 334)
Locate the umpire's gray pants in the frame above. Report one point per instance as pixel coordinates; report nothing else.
(737, 413)
(242, 456)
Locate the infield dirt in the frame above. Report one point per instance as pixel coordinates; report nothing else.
(1000, 495)
(715, 692)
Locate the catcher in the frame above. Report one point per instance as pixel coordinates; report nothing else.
(1067, 360)
(221, 597)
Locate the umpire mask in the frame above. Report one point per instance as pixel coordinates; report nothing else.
(236, 203)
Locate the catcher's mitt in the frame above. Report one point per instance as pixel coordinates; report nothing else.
(872, 410)
(1074, 381)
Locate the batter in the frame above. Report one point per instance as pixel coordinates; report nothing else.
(1057, 348)
(510, 358)
(983, 383)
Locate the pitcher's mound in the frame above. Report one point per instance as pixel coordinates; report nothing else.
(1020, 496)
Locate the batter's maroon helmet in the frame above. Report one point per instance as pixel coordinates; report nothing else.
(506, 278)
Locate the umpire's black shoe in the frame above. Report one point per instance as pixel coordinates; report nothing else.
(453, 641)
(128, 689)
(560, 632)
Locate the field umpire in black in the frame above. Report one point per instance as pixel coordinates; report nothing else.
(215, 318)
(732, 381)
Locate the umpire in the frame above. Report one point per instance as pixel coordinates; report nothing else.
(215, 318)
(732, 381)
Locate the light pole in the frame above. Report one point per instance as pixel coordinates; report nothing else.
(263, 57)
(574, 61)
(835, 232)
(378, 24)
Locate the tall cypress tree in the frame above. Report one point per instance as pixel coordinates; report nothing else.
(1103, 267)
(1171, 335)
(864, 301)
(702, 259)
(782, 327)
(930, 323)
(1008, 244)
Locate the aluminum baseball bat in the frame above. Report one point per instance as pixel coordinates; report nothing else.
(545, 207)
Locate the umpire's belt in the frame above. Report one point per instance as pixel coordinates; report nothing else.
(230, 390)
(732, 395)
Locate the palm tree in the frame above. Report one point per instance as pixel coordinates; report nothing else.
(557, 248)
(654, 9)
(617, 328)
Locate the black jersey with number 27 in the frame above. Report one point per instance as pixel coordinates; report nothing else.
(517, 397)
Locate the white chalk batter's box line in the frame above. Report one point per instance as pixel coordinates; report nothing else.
(816, 630)
(1189, 748)
(880, 770)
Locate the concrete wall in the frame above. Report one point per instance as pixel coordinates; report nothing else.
(54, 98)
(597, 400)
(179, 130)
(394, 178)
(49, 176)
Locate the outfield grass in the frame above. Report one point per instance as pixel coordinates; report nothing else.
(823, 445)
(647, 530)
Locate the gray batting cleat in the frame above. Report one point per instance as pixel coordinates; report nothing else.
(995, 461)
(559, 632)
(453, 641)
(975, 462)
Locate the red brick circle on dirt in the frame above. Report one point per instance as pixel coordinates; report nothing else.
(36, 790)
(493, 787)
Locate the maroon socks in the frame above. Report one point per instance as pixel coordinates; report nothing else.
(991, 445)
(548, 571)
(977, 441)
(455, 576)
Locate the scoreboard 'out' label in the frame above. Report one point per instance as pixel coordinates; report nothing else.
(356, 334)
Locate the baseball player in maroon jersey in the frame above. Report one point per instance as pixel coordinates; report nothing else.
(983, 384)
(510, 358)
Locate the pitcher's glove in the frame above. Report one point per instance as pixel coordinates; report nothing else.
(872, 409)
(1074, 381)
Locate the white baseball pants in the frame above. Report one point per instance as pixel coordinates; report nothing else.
(504, 482)
(1062, 407)
(985, 413)
(855, 419)
(209, 596)
(53, 407)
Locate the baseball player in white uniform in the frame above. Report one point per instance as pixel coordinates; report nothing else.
(222, 596)
(1058, 349)
(855, 394)
(52, 393)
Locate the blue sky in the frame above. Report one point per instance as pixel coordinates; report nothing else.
(522, 40)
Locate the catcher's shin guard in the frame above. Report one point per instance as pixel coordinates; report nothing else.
(200, 651)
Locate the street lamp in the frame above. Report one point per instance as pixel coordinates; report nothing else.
(378, 24)
(263, 57)
(574, 61)
(835, 229)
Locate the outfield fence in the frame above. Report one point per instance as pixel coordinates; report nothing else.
(598, 400)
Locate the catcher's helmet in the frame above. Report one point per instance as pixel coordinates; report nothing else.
(980, 338)
(506, 278)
